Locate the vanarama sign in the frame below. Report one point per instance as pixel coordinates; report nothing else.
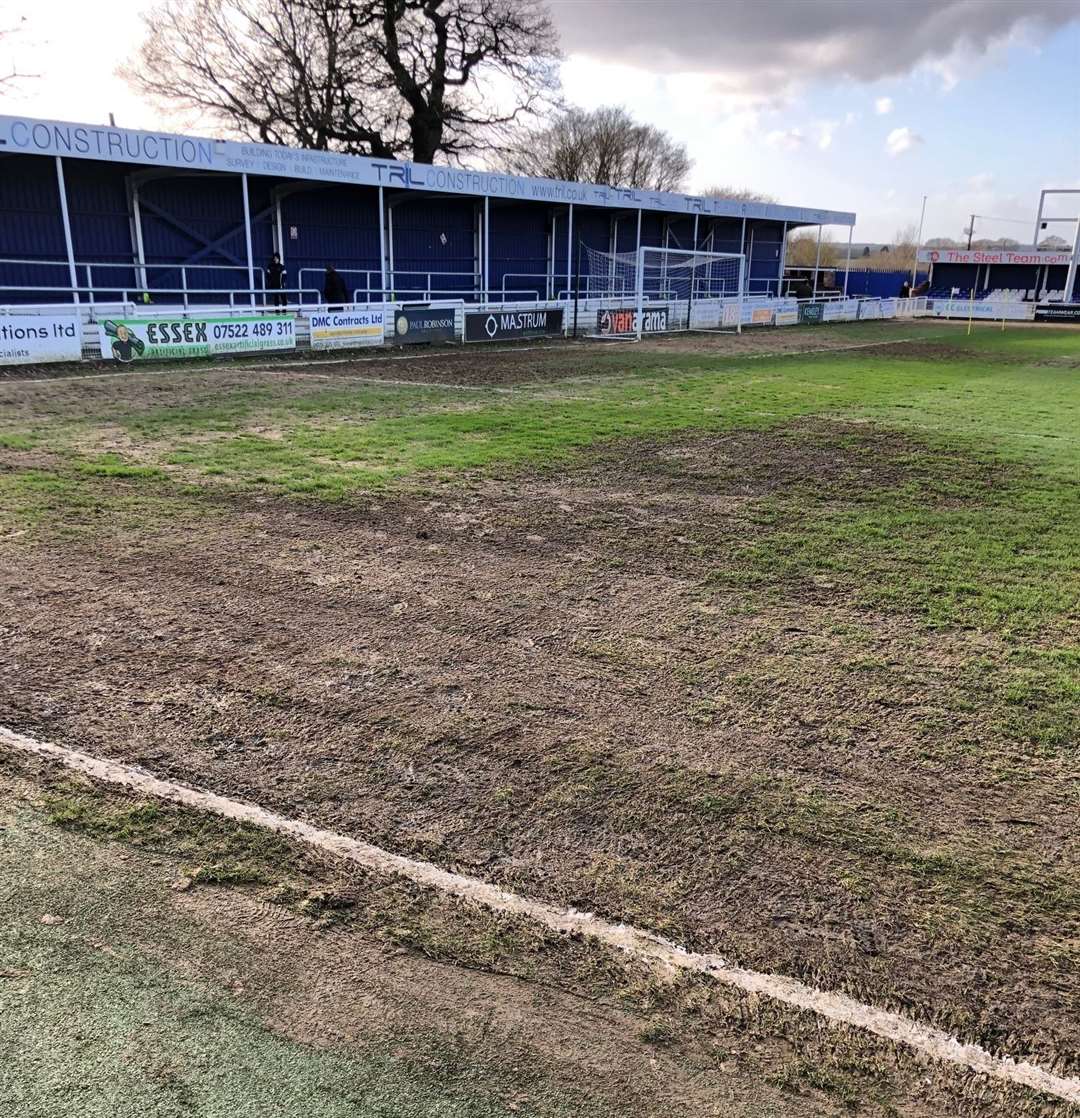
(490, 326)
(624, 320)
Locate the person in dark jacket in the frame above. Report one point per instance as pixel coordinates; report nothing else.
(334, 287)
(275, 280)
(905, 290)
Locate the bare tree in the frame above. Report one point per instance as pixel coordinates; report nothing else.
(607, 146)
(414, 78)
(8, 76)
(738, 194)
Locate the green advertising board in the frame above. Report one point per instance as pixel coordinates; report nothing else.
(142, 339)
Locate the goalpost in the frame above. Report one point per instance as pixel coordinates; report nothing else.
(658, 290)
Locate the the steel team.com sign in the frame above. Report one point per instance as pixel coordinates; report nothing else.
(33, 339)
(133, 339)
(624, 320)
(490, 326)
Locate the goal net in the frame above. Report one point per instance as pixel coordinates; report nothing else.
(656, 290)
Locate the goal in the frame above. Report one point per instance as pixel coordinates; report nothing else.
(657, 290)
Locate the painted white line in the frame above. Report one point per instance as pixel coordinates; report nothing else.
(652, 949)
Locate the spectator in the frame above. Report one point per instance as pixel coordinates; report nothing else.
(334, 288)
(905, 290)
(275, 281)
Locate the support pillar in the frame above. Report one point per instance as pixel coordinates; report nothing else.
(847, 260)
(382, 249)
(65, 217)
(247, 239)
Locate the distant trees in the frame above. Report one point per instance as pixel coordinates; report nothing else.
(604, 145)
(412, 79)
(802, 250)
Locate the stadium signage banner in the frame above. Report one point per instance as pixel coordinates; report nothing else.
(840, 310)
(986, 256)
(811, 314)
(965, 308)
(133, 339)
(30, 136)
(34, 339)
(413, 325)
(345, 329)
(493, 326)
(1058, 312)
(624, 320)
(787, 313)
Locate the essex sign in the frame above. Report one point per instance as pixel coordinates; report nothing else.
(133, 339)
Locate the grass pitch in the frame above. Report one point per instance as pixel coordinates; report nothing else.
(772, 652)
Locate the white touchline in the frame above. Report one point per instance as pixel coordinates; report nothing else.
(653, 949)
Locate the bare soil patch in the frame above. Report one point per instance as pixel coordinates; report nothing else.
(528, 362)
(532, 680)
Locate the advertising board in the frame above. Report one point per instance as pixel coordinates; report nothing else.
(493, 326)
(34, 339)
(1058, 312)
(345, 329)
(416, 325)
(134, 339)
(811, 314)
(624, 320)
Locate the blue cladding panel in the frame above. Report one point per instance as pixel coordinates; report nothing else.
(197, 221)
(30, 226)
(881, 285)
(434, 237)
(764, 241)
(519, 246)
(337, 225)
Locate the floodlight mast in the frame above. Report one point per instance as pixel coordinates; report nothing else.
(1040, 221)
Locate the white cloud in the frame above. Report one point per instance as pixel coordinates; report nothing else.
(883, 106)
(900, 140)
(786, 43)
(826, 131)
(789, 139)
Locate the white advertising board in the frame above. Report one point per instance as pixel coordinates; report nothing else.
(787, 312)
(345, 329)
(965, 308)
(34, 339)
(841, 310)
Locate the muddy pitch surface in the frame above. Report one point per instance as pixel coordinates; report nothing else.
(537, 680)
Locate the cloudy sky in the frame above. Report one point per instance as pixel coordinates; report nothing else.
(849, 104)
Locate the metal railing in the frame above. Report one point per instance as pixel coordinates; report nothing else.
(140, 273)
(126, 293)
